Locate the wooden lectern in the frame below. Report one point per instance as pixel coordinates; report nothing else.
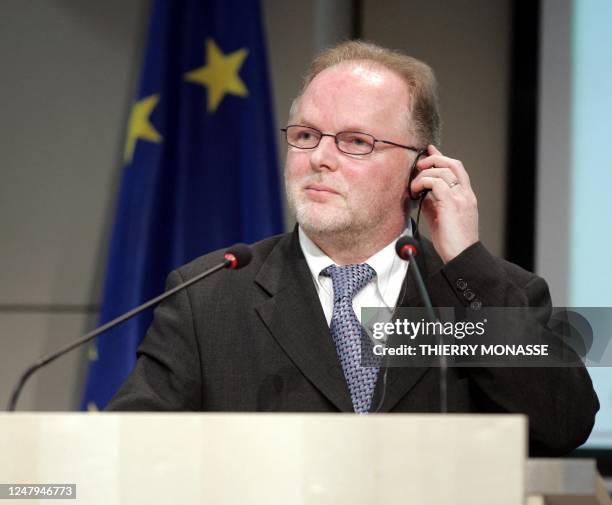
(270, 459)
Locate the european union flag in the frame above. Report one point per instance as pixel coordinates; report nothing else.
(200, 168)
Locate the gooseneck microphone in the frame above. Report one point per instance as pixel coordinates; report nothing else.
(234, 258)
(407, 248)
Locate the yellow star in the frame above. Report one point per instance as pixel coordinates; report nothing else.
(92, 353)
(140, 127)
(220, 74)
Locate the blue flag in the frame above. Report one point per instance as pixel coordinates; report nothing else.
(200, 166)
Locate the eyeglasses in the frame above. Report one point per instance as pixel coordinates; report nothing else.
(304, 137)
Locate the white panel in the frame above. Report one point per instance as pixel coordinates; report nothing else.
(591, 179)
(574, 207)
(271, 459)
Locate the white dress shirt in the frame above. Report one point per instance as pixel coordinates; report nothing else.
(382, 291)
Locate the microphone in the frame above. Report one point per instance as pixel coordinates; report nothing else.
(407, 248)
(237, 256)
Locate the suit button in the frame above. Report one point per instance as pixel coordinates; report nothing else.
(476, 304)
(461, 284)
(469, 295)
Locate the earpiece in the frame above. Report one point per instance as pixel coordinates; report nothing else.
(413, 174)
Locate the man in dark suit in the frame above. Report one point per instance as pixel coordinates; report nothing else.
(281, 333)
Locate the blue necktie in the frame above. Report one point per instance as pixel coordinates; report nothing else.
(347, 332)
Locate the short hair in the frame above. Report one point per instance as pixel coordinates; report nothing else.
(417, 75)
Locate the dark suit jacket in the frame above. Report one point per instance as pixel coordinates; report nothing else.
(256, 339)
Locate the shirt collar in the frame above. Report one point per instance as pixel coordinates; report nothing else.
(385, 262)
(317, 260)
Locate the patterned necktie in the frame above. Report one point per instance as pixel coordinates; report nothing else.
(347, 332)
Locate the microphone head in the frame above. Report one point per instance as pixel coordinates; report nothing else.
(237, 256)
(406, 247)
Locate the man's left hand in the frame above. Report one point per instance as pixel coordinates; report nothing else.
(450, 207)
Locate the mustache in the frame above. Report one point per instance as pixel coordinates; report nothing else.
(308, 180)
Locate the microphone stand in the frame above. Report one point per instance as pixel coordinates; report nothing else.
(406, 248)
(241, 257)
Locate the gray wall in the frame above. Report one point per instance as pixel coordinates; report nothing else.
(467, 42)
(69, 70)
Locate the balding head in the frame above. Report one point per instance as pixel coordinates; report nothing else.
(422, 107)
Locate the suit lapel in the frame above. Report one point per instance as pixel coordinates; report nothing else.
(294, 316)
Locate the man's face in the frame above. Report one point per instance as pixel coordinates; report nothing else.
(332, 192)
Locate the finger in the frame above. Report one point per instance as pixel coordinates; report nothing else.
(443, 173)
(431, 149)
(440, 161)
(439, 188)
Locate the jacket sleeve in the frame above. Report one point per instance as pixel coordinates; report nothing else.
(559, 401)
(167, 375)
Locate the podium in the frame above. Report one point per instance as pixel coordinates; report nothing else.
(300, 459)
